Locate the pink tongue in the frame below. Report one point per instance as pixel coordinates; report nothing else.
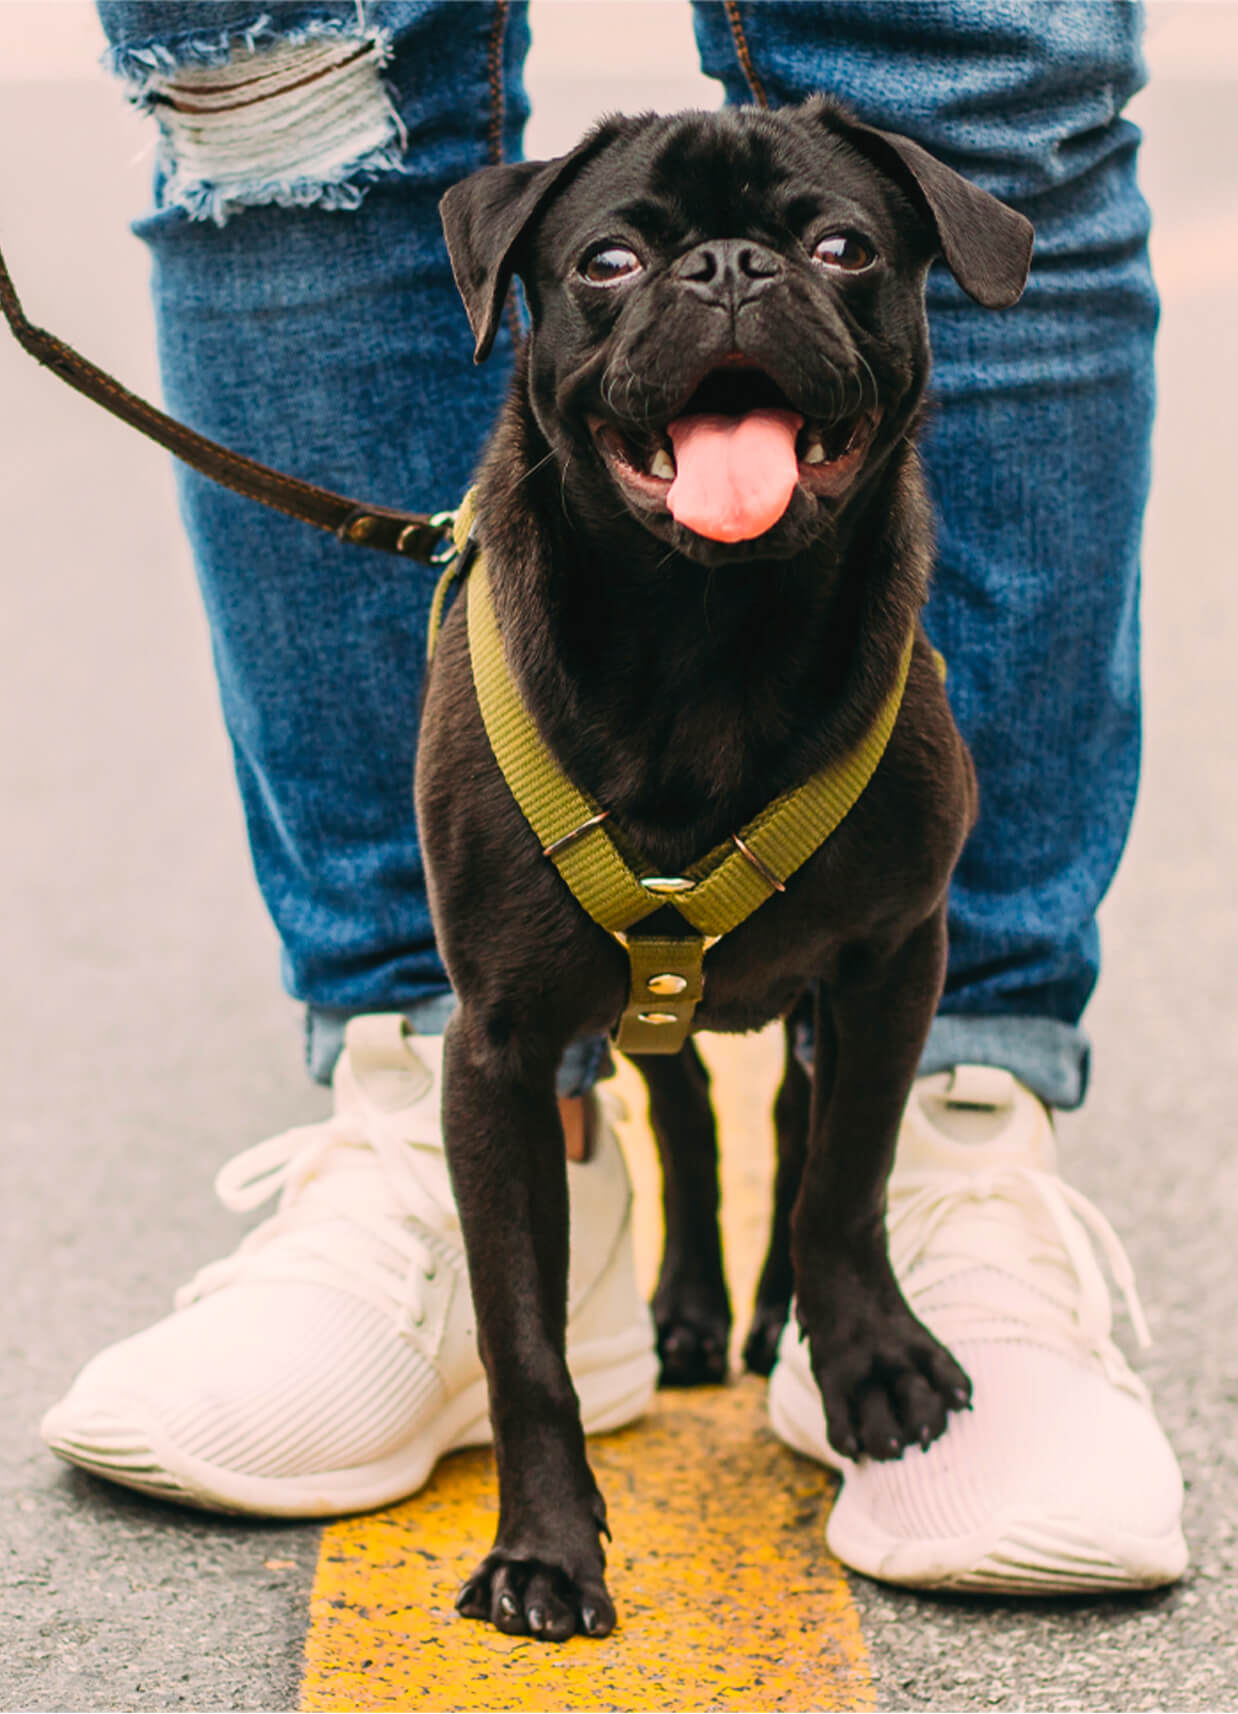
(734, 475)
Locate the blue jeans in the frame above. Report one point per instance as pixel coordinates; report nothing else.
(308, 318)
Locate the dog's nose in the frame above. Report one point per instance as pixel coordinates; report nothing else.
(728, 270)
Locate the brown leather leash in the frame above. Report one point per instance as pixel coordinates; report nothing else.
(411, 534)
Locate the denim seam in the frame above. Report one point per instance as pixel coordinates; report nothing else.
(494, 138)
(494, 74)
(744, 53)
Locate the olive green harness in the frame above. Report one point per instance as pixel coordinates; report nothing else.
(713, 895)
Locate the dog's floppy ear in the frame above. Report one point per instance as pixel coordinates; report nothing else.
(986, 245)
(485, 217)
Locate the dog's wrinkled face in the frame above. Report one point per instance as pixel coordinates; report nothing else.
(723, 317)
(727, 309)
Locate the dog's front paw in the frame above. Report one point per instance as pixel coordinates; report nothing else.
(692, 1355)
(761, 1345)
(531, 1597)
(887, 1386)
(694, 1332)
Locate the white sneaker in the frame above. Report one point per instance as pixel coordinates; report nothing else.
(1059, 1478)
(328, 1363)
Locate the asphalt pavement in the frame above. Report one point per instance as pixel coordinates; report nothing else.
(145, 1037)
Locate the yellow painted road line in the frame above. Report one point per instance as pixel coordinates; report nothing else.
(727, 1597)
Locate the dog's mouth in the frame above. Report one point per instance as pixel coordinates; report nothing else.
(728, 462)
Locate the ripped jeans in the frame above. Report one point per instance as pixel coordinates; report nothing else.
(307, 316)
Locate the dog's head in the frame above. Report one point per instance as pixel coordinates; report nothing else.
(727, 309)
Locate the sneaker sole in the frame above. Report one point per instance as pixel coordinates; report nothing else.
(1014, 1554)
(615, 1380)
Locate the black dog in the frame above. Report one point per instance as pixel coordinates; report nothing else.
(695, 629)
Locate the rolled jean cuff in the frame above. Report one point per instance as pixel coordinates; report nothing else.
(1051, 1057)
(584, 1064)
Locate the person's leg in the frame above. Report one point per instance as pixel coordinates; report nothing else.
(1038, 459)
(1037, 455)
(307, 317)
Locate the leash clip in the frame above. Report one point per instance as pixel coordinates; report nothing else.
(446, 522)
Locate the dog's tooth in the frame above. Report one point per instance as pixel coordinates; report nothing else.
(663, 465)
(814, 452)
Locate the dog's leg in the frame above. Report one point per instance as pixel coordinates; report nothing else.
(545, 1573)
(691, 1308)
(885, 1381)
(791, 1114)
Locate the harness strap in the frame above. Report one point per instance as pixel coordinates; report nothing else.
(714, 896)
(457, 562)
(754, 864)
(567, 822)
(666, 986)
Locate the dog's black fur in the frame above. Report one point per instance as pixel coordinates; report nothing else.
(684, 683)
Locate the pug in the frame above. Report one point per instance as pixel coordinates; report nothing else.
(707, 544)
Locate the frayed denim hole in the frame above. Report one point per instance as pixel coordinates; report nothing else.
(298, 123)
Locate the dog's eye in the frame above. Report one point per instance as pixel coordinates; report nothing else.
(845, 250)
(612, 262)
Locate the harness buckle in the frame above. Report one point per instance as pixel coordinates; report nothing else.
(762, 869)
(666, 986)
(564, 843)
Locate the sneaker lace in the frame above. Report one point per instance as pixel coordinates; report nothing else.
(1029, 1226)
(352, 1209)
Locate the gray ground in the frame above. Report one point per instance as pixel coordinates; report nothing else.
(145, 1038)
